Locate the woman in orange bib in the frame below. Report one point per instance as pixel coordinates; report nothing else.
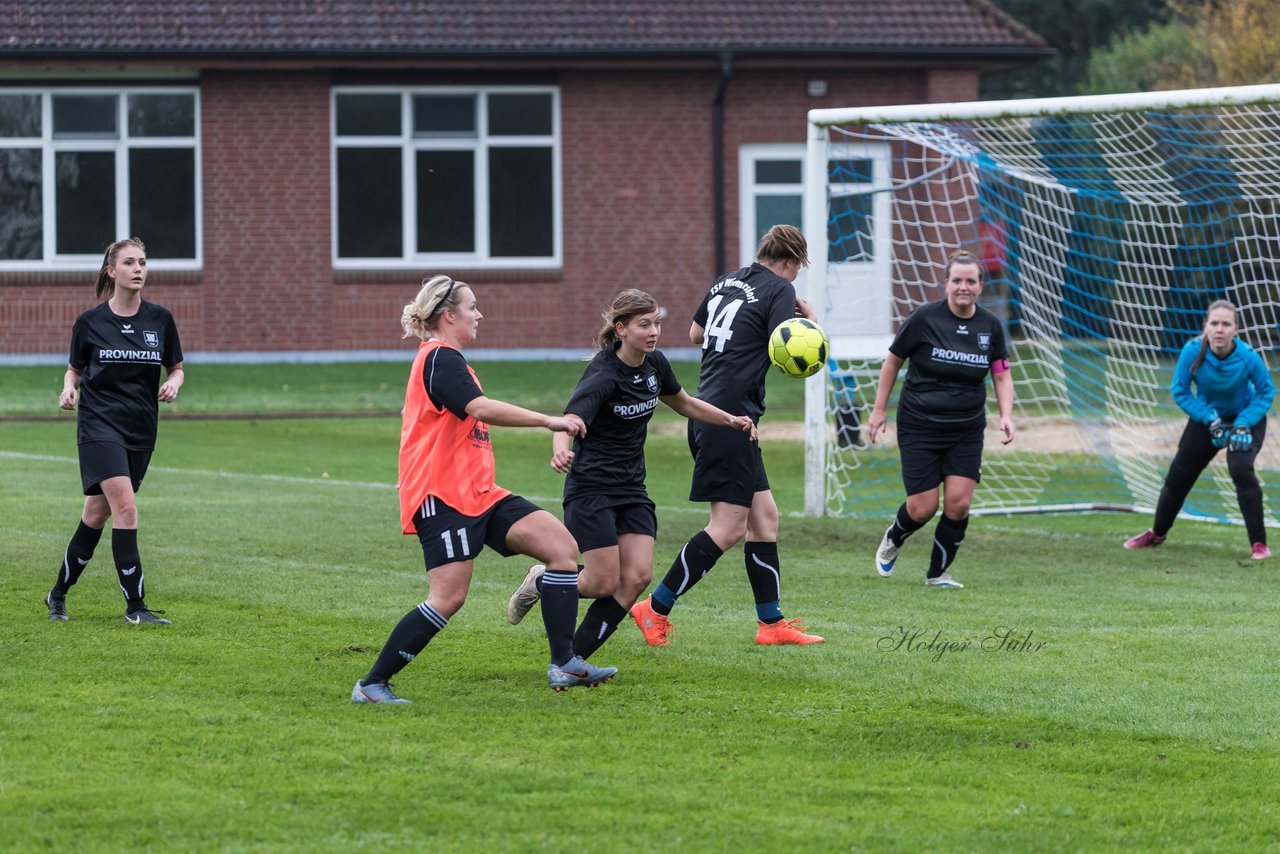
(449, 498)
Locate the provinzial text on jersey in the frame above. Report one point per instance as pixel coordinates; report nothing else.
(128, 355)
(942, 354)
(634, 410)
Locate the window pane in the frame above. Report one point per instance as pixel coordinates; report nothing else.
(368, 115)
(370, 224)
(444, 115)
(850, 171)
(162, 200)
(520, 204)
(85, 201)
(777, 210)
(85, 116)
(19, 115)
(21, 227)
(162, 115)
(520, 115)
(446, 201)
(778, 172)
(849, 231)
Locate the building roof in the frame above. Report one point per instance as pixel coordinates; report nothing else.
(92, 28)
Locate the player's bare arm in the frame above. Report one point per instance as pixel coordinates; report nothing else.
(168, 391)
(561, 452)
(498, 413)
(70, 388)
(1004, 399)
(879, 412)
(696, 334)
(699, 410)
(804, 308)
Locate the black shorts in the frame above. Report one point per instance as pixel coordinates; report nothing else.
(930, 455)
(448, 537)
(596, 520)
(727, 465)
(101, 460)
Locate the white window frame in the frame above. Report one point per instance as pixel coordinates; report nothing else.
(749, 190)
(120, 145)
(479, 144)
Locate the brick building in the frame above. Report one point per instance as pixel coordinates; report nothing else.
(296, 167)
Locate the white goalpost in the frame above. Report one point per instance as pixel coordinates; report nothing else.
(1106, 225)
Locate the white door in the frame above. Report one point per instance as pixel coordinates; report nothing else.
(858, 298)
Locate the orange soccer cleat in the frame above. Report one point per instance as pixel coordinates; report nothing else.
(656, 628)
(785, 631)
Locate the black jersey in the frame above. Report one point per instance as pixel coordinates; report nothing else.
(120, 359)
(616, 401)
(738, 315)
(948, 359)
(448, 383)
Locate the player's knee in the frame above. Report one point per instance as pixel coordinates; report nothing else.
(726, 534)
(598, 580)
(447, 602)
(922, 508)
(1242, 473)
(557, 549)
(957, 508)
(635, 579)
(126, 514)
(96, 513)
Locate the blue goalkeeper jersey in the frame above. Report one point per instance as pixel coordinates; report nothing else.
(1238, 388)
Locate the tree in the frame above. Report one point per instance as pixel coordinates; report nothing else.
(1163, 56)
(1217, 43)
(1075, 29)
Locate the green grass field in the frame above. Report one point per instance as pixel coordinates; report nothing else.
(1074, 697)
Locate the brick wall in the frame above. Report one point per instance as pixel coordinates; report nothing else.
(638, 212)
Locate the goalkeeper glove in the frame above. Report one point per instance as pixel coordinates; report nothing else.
(1218, 432)
(1241, 438)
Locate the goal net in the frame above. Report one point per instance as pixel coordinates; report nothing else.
(1106, 226)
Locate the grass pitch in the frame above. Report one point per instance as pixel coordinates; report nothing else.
(1073, 697)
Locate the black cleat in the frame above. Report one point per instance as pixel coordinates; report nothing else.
(57, 606)
(140, 614)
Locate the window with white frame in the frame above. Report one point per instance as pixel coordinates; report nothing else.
(771, 181)
(771, 192)
(463, 176)
(80, 168)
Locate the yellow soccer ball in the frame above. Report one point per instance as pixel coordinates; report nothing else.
(798, 347)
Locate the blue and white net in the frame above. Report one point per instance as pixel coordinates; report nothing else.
(1105, 237)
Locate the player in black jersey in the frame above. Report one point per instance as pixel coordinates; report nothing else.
(113, 376)
(952, 345)
(732, 325)
(606, 507)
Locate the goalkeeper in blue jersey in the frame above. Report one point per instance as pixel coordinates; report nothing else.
(1228, 409)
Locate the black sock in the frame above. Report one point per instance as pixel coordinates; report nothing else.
(600, 621)
(946, 542)
(904, 526)
(560, 611)
(764, 573)
(693, 563)
(124, 549)
(410, 636)
(79, 552)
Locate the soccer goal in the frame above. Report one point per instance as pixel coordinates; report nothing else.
(1106, 226)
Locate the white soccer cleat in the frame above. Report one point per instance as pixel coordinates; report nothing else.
(945, 581)
(886, 555)
(526, 595)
